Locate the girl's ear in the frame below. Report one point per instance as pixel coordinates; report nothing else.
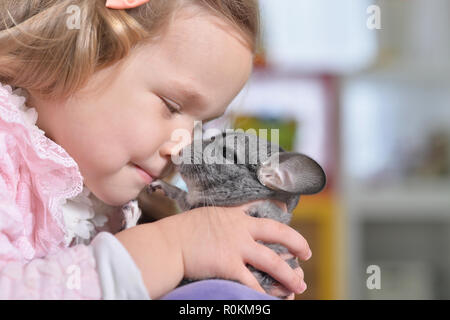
(292, 172)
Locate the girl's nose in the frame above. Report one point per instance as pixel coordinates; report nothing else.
(170, 149)
(174, 148)
(180, 138)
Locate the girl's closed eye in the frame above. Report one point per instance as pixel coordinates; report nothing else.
(171, 106)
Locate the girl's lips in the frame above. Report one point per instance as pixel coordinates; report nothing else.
(145, 176)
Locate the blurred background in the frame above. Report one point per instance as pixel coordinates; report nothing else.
(363, 87)
(367, 84)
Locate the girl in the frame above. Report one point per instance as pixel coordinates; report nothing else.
(90, 93)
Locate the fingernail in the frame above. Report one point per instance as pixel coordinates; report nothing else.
(309, 255)
(304, 286)
(301, 288)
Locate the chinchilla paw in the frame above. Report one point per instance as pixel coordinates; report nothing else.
(155, 185)
(131, 214)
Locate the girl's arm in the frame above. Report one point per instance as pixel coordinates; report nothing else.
(102, 270)
(212, 242)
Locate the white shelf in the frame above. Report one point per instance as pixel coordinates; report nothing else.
(421, 200)
(408, 73)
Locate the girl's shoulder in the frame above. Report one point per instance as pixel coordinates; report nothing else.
(38, 176)
(15, 113)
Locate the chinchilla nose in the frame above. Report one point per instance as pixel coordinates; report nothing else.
(177, 158)
(177, 153)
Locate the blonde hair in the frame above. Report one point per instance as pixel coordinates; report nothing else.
(39, 52)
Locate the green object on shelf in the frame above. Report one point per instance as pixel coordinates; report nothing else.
(287, 128)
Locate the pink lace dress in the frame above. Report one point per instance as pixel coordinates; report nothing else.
(55, 237)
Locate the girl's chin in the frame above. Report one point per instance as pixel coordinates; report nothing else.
(119, 189)
(116, 198)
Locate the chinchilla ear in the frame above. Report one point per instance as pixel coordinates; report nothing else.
(292, 172)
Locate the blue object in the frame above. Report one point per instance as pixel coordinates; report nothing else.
(216, 289)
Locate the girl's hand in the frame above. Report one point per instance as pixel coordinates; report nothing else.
(219, 242)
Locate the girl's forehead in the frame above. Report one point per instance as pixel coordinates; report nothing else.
(201, 36)
(198, 60)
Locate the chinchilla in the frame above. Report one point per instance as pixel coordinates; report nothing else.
(235, 168)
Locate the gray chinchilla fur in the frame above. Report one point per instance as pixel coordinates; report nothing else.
(247, 176)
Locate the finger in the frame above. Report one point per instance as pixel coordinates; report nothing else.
(279, 203)
(265, 259)
(279, 291)
(304, 287)
(291, 297)
(286, 256)
(247, 278)
(272, 231)
(299, 272)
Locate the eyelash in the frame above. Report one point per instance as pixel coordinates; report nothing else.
(170, 107)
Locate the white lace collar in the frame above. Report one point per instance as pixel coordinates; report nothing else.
(81, 219)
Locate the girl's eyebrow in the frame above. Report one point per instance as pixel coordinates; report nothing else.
(189, 95)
